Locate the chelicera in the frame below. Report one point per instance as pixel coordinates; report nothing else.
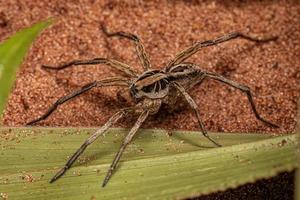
(150, 89)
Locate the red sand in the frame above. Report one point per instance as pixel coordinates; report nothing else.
(271, 70)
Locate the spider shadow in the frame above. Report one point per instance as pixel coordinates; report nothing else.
(180, 137)
(116, 143)
(88, 159)
(228, 63)
(97, 156)
(95, 96)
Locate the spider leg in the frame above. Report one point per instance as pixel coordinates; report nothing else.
(89, 141)
(191, 83)
(183, 55)
(244, 89)
(110, 62)
(138, 45)
(115, 81)
(126, 141)
(196, 110)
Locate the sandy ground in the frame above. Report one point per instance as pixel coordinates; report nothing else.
(271, 70)
(166, 27)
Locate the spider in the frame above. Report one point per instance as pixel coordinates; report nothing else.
(150, 89)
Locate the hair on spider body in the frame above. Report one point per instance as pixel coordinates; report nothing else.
(155, 84)
(150, 90)
(152, 84)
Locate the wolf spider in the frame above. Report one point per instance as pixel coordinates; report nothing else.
(150, 89)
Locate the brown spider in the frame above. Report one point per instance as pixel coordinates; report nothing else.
(150, 89)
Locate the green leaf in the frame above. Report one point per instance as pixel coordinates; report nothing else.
(12, 51)
(297, 180)
(154, 166)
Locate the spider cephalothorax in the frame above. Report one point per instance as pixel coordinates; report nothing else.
(152, 84)
(150, 90)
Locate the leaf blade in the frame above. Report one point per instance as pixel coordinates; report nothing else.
(166, 168)
(12, 51)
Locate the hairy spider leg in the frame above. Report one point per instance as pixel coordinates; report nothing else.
(192, 83)
(110, 62)
(183, 55)
(194, 106)
(143, 116)
(138, 45)
(114, 81)
(89, 141)
(244, 89)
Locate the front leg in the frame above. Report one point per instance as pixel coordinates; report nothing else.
(89, 141)
(126, 141)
